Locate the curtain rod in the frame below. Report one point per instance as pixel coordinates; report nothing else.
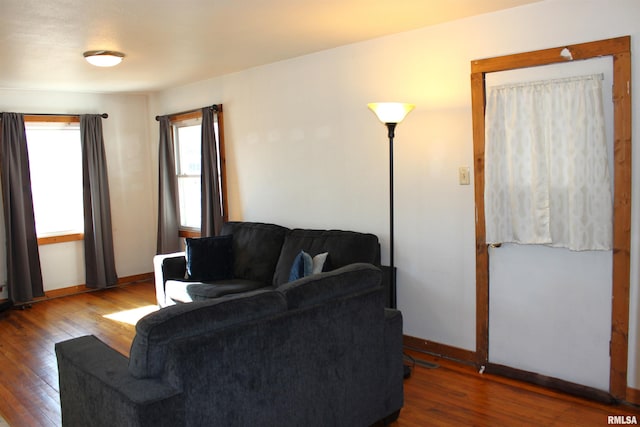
(215, 107)
(103, 115)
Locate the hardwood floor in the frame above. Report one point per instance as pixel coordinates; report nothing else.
(456, 395)
(450, 395)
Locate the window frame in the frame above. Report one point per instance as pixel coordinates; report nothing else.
(177, 118)
(48, 118)
(187, 120)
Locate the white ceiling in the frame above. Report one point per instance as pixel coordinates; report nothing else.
(170, 43)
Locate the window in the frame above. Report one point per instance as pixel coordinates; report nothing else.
(55, 163)
(187, 136)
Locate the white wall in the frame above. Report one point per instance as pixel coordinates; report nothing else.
(130, 180)
(303, 150)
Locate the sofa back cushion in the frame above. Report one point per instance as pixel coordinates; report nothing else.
(322, 287)
(256, 249)
(157, 331)
(344, 248)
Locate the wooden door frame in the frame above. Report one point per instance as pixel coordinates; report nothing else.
(620, 49)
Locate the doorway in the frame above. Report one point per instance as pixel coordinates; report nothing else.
(619, 50)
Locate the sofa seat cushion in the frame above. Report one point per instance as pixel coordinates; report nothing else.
(156, 331)
(319, 288)
(343, 247)
(189, 291)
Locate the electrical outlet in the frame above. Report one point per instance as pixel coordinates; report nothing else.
(464, 177)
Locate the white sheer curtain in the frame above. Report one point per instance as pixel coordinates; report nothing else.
(546, 165)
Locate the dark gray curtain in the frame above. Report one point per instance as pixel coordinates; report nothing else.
(98, 238)
(211, 205)
(168, 221)
(23, 260)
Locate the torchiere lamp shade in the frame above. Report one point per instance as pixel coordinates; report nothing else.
(390, 112)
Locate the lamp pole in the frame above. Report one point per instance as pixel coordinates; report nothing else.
(392, 279)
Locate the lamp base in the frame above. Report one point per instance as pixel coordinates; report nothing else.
(407, 371)
(389, 286)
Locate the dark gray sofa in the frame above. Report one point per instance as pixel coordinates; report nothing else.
(318, 351)
(262, 257)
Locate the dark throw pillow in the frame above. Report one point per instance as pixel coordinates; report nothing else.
(210, 258)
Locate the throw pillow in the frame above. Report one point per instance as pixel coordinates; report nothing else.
(302, 266)
(318, 262)
(209, 258)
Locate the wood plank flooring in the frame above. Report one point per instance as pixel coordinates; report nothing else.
(450, 395)
(456, 395)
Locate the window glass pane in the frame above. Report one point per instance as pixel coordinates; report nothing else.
(188, 146)
(187, 136)
(189, 195)
(55, 163)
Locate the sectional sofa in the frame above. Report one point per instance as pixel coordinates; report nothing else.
(318, 351)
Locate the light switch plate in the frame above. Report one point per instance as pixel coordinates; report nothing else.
(464, 177)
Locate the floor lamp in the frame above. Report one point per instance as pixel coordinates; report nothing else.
(392, 113)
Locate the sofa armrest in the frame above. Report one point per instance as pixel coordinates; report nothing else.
(168, 267)
(96, 389)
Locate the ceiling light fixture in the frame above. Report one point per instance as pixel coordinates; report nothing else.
(103, 58)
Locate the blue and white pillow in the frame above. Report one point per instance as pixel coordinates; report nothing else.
(304, 265)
